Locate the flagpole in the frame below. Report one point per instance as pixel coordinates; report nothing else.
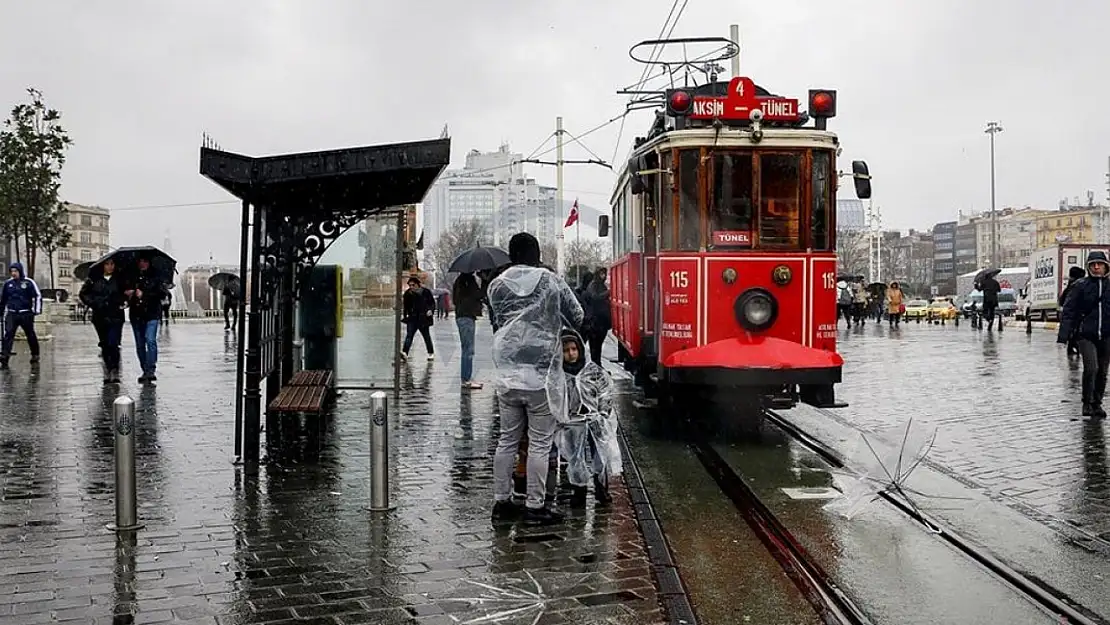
(559, 252)
(577, 243)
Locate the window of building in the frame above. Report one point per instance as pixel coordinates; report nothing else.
(63, 254)
(86, 220)
(86, 237)
(63, 272)
(86, 255)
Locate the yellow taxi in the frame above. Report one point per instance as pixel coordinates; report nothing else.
(916, 309)
(942, 309)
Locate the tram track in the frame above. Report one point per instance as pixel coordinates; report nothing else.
(832, 604)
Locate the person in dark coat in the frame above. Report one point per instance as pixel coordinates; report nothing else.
(417, 313)
(144, 297)
(468, 297)
(990, 288)
(231, 305)
(1087, 312)
(1075, 274)
(103, 295)
(599, 318)
(20, 302)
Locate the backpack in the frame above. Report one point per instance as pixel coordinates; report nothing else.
(845, 297)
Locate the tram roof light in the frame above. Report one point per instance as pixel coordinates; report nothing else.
(680, 101)
(822, 103)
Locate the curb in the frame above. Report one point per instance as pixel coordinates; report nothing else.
(672, 592)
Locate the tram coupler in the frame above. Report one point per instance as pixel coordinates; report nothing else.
(820, 396)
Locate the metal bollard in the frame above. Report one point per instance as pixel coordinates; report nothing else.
(298, 356)
(379, 452)
(123, 421)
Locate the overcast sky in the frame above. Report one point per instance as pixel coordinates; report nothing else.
(139, 81)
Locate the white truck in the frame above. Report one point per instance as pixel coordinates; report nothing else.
(1048, 269)
(1016, 278)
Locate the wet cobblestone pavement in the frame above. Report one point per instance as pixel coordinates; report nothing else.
(294, 545)
(1004, 408)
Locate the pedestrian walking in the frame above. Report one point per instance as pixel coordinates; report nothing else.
(1087, 313)
(895, 304)
(859, 302)
(144, 299)
(467, 296)
(530, 305)
(418, 313)
(167, 303)
(1074, 275)
(990, 288)
(231, 306)
(599, 317)
(844, 303)
(20, 303)
(103, 296)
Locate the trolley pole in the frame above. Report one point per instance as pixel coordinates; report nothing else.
(379, 453)
(123, 421)
(560, 262)
(734, 35)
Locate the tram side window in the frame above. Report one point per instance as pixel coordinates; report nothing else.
(615, 236)
(689, 213)
(780, 203)
(731, 208)
(822, 190)
(664, 211)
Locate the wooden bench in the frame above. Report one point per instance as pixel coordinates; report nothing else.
(307, 392)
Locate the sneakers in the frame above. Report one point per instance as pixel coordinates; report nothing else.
(505, 510)
(431, 357)
(473, 386)
(35, 359)
(1097, 412)
(541, 516)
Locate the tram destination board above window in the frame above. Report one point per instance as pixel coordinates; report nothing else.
(738, 104)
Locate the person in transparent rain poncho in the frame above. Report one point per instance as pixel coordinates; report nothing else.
(529, 306)
(588, 440)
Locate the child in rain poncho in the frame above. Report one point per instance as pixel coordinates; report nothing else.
(591, 426)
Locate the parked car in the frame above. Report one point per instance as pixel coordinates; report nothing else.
(1007, 302)
(942, 310)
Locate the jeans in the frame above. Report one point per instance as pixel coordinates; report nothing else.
(14, 321)
(1096, 359)
(466, 341)
(110, 334)
(519, 410)
(146, 344)
(411, 328)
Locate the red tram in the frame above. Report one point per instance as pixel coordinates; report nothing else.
(724, 240)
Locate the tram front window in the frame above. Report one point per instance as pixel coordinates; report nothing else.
(780, 201)
(730, 214)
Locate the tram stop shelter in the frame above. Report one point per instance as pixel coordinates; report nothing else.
(293, 207)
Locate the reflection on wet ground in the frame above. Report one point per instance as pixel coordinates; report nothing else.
(295, 543)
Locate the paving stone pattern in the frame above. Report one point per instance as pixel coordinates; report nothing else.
(295, 544)
(1004, 407)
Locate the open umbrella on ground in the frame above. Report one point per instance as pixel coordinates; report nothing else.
(479, 259)
(219, 280)
(127, 262)
(81, 272)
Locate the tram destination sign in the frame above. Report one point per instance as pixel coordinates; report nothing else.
(739, 103)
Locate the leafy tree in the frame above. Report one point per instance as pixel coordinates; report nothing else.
(461, 236)
(32, 153)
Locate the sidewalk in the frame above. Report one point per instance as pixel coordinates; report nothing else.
(295, 545)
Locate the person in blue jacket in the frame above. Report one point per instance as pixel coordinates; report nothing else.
(20, 301)
(1086, 312)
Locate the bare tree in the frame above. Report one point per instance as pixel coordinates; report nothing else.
(851, 251)
(461, 236)
(585, 256)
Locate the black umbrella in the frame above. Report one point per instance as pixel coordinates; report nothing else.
(127, 262)
(479, 259)
(987, 273)
(219, 280)
(81, 272)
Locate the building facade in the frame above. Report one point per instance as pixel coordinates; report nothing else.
(89, 236)
(967, 248)
(1016, 235)
(193, 286)
(1069, 225)
(944, 257)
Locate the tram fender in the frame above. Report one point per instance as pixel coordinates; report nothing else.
(754, 360)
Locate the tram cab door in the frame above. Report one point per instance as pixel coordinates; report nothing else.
(649, 289)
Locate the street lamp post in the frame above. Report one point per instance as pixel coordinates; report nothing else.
(993, 128)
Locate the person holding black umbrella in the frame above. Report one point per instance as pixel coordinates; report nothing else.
(144, 297)
(103, 295)
(990, 288)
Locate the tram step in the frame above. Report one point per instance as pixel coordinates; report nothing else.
(319, 377)
(307, 399)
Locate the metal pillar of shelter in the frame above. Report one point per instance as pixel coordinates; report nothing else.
(293, 207)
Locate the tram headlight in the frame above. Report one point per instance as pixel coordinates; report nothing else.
(756, 309)
(782, 275)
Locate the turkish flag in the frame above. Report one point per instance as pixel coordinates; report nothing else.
(573, 219)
